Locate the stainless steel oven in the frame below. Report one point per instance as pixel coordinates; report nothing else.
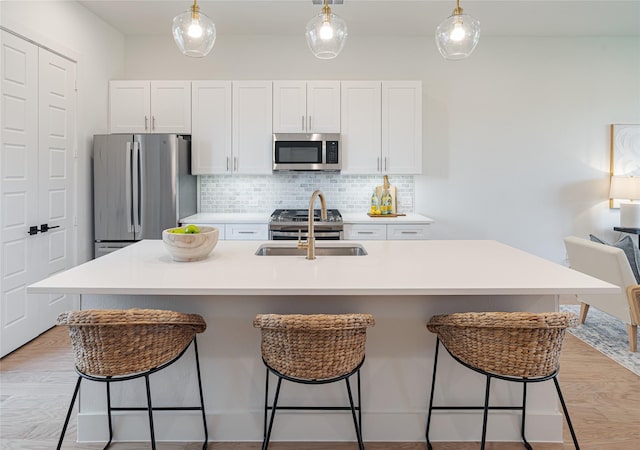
(293, 224)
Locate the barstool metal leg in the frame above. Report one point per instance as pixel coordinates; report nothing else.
(150, 408)
(486, 413)
(66, 420)
(359, 404)
(566, 413)
(109, 416)
(265, 443)
(204, 416)
(266, 403)
(353, 413)
(524, 415)
(433, 386)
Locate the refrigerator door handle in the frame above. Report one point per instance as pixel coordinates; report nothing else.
(127, 188)
(136, 187)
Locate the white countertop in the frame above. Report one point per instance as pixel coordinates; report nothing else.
(409, 218)
(432, 267)
(202, 218)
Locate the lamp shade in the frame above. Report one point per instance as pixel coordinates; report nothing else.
(625, 187)
(194, 32)
(458, 35)
(326, 34)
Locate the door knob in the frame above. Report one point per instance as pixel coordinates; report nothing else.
(45, 227)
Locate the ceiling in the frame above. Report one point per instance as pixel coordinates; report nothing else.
(382, 17)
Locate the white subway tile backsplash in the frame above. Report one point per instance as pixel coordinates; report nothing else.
(264, 193)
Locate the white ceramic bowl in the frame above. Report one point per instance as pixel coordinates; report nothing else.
(190, 247)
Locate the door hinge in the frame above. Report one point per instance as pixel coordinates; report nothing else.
(75, 221)
(75, 85)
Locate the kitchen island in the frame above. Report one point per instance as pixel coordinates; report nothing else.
(402, 283)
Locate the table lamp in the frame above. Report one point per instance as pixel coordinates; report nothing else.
(628, 188)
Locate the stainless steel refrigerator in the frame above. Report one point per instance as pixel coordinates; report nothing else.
(142, 184)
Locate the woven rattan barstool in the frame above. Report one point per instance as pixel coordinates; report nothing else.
(512, 346)
(119, 345)
(313, 349)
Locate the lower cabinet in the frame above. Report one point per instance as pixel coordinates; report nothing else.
(365, 232)
(240, 231)
(379, 231)
(246, 231)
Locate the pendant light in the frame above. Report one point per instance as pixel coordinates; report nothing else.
(326, 33)
(458, 35)
(194, 32)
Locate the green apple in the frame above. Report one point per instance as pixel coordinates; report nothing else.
(191, 229)
(177, 231)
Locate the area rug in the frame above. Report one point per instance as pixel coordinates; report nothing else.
(606, 334)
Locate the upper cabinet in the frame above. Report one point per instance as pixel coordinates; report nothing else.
(306, 106)
(251, 127)
(149, 106)
(381, 128)
(402, 127)
(361, 134)
(211, 150)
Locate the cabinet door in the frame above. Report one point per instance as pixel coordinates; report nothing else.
(171, 107)
(407, 231)
(402, 127)
(247, 231)
(361, 127)
(289, 107)
(365, 232)
(211, 128)
(129, 106)
(252, 122)
(323, 107)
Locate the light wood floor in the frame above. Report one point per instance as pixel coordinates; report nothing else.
(37, 380)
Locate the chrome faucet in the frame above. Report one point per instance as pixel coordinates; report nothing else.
(310, 243)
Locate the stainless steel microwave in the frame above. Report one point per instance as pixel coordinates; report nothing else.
(302, 151)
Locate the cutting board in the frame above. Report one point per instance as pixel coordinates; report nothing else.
(394, 195)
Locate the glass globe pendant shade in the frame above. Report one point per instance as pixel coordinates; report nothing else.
(458, 35)
(326, 34)
(194, 32)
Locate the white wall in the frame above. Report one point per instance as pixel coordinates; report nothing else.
(516, 143)
(72, 30)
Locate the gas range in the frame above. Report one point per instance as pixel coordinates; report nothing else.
(291, 224)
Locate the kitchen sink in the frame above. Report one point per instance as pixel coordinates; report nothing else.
(334, 250)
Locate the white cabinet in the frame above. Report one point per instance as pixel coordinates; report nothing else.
(240, 231)
(381, 127)
(211, 148)
(251, 127)
(247, 231)
(380, 231)
(361, 130)
(306, 106)
(365, 232)
(407, 231)
(141, 106)
(402, 127)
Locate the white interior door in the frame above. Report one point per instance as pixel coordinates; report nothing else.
(19, 86)
(56, 144)
(37, 187)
